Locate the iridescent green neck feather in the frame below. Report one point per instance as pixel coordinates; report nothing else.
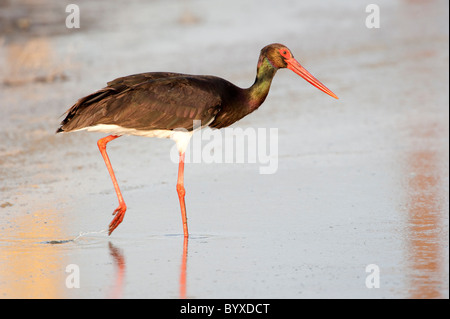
(257, 93)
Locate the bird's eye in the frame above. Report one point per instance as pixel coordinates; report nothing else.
(284, 53)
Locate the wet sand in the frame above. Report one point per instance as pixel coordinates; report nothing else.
(361, 180)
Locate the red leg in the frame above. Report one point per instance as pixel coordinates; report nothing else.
(119, 211)
(183, 269)
(181, 192)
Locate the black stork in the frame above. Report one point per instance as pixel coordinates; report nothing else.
(165, 105)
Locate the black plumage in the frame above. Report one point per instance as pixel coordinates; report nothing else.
(155, 101)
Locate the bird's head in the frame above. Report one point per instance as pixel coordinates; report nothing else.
(281, 57)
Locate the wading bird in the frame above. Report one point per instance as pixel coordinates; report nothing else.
(165, 105)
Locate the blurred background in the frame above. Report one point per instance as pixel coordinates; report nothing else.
(362, 180)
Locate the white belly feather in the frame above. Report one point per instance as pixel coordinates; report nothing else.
(180, 136)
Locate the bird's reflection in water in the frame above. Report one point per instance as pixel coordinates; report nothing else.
(119, 262)
(183, 269)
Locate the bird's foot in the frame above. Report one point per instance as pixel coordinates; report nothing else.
(119, 213)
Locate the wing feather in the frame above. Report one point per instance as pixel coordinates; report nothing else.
(149, 101)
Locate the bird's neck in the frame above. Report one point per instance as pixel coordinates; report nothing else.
(257, 93)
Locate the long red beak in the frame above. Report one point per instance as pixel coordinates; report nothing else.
(292, 64)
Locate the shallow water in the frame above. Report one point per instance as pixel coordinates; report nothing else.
(361, 180)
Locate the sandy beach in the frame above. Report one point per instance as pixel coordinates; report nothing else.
(360, 187)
